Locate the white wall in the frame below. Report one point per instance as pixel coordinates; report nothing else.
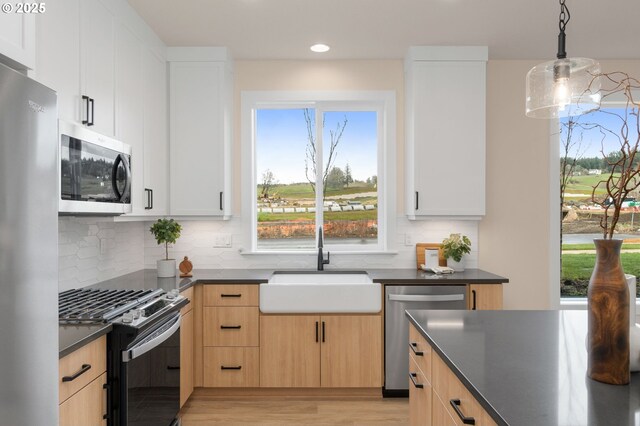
(81, 262)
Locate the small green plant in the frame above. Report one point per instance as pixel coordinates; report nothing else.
(456, 246)
(166, 231)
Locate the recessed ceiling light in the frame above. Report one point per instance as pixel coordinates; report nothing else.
(320, 48)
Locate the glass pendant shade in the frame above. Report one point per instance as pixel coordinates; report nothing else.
(563, 88)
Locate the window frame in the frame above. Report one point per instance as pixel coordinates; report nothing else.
(382, 102)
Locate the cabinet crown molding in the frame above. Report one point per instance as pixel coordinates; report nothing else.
(198, 54)
(447, 53)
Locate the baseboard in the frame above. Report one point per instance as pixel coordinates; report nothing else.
(290, 392)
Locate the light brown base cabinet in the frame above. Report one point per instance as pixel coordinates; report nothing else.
(320, 351)
(484, 297)
(444, 387)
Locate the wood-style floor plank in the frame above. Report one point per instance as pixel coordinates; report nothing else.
(203, 409)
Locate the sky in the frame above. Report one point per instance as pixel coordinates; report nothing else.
(592, 140)
(281, 140)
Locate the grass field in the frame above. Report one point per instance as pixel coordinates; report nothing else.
(584, 185)
(577, 269)
(328, 216)
(590, 246)
(303, 190)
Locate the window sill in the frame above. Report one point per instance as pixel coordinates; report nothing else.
(313, 252)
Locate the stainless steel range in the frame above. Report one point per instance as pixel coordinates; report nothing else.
(143, 350)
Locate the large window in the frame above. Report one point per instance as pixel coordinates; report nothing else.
(318, 164)
(588, 146)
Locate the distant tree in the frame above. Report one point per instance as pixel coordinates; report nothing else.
(374, 180)
(310, 155)
(335, 179)
(571, 146)
(347, 175)
(268, 180)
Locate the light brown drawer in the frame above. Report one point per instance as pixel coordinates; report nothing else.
(420, 350)
(231, 295)
(231, 367)
(449, 388)
(188, 293)
(87, 406)
(79, 368)
(231, 326)
(420, 396)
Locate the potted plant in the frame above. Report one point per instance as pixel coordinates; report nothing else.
(454, 248)
(166, 231)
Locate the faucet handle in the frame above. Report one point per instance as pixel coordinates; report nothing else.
(326, 262)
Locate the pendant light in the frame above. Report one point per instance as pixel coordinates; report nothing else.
(564, 87)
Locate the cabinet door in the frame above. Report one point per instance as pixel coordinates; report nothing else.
(58, 55)
(289, 351)
(97, 62)
(351, 351)
(156, 140)
(186, 357)
(485, 297)
(87, 406)
(440, 416)
(420, 395)
(129, 108)
(18, 36)
(446, 128)
(198, 139)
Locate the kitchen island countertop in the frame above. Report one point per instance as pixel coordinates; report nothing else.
(528, 367)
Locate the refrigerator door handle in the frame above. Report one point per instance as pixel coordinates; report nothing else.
(426, 297)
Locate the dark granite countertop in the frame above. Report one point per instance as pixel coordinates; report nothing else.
(72, 337)
(528, 367)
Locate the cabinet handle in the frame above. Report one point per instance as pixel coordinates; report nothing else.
(221, 200)
(322, 331)
(412, 376)
(230, 327)
(86, 101)
(151, 199)
(222, 367)
(91, 123)
(455, 403)
(107, 388)
(83, 369)
(417, 200)
(473, 298)
(148, 206)
(231, 295)
(413, 347)
(171, 367)
(316, 331)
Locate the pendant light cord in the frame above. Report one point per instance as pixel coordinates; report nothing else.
(565, 16)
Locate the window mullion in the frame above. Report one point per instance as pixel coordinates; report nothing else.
(319, 170)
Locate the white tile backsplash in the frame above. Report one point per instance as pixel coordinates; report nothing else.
(80, 260)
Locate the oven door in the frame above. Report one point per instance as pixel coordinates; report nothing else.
(151, 379)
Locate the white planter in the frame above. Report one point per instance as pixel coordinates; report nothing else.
(166, 268)
(457, 266)
(634, 329)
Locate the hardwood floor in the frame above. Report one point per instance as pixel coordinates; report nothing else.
(207, 408)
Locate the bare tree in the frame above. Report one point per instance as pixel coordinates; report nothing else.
(268, 180)
(310, 158)
(624, 175)
(571, 152)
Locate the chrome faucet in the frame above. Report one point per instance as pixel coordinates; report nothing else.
(321, 260)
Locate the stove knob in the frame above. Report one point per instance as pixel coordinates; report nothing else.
(173, 294)
(137, 313)
(127, 318)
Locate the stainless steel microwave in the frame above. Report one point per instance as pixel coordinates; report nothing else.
(95, 173)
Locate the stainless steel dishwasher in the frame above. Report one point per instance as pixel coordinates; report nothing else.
(399, 298)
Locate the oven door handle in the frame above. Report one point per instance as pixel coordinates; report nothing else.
(426, 297)
(154, 341)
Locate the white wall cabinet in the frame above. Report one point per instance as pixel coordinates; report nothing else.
(445, 91)
(104, 51)
(17, 37)
(200, 132)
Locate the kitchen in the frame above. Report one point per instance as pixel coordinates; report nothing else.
(183, 111)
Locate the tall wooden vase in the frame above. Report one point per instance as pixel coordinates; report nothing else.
(608, 335)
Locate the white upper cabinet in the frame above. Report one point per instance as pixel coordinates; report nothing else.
(17, 35)
(445, 91)
(97, 57)
(200, 131)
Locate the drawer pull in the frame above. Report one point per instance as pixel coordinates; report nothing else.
(83, 369)
(230, 327)
(412, 376)
(414, 347)
(171, 367)
(222, 367)
(455, 403)
(231, 295)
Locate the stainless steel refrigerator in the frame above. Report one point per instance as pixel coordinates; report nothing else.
(28, 252)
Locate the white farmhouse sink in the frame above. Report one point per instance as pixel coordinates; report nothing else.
(320, 292)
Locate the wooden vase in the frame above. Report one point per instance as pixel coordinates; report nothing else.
(608, 306)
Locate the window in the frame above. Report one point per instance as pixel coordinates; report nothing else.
(318, 163)
(586, 143)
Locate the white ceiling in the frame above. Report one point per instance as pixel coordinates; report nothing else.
(366, 29)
